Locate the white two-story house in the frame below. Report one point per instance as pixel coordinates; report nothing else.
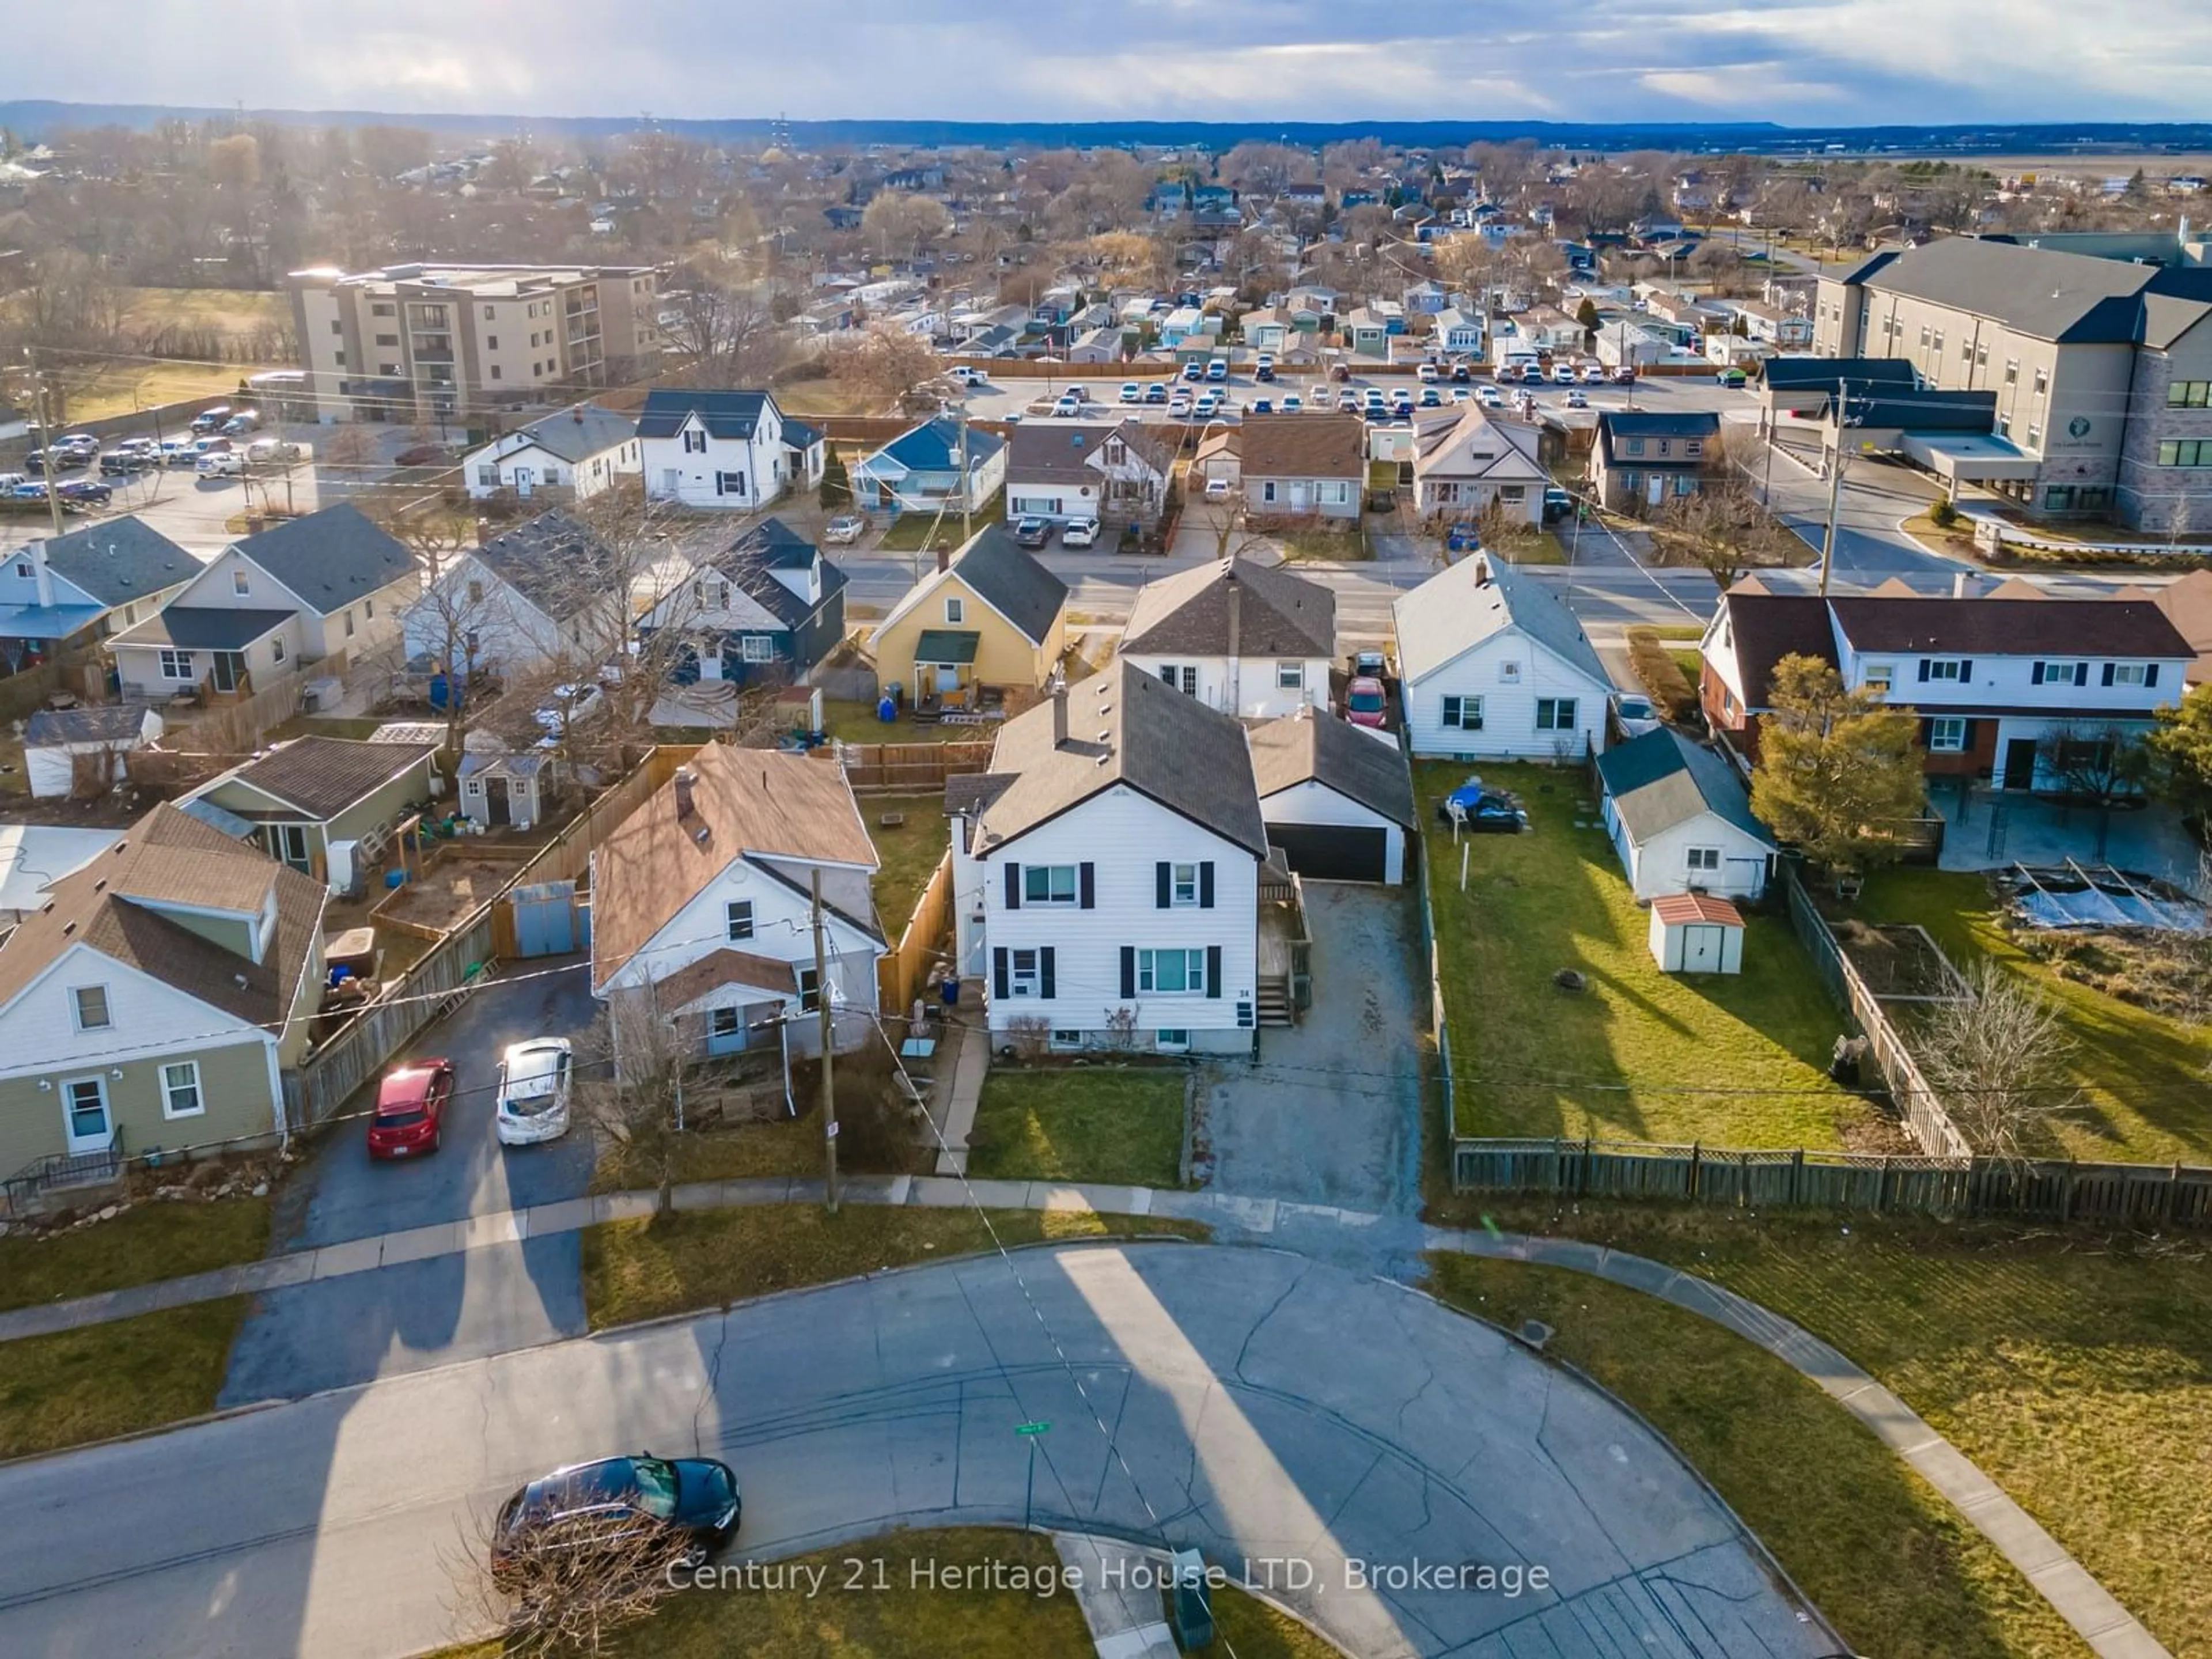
(731, 450)
(1248, 638)
(702, 907)
(1997, 681)
(1493, 667)
(65, 593)
(1106, 872)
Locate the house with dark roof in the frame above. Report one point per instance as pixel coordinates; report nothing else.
(1304, 466)
(62, 592)
(724, 450)
(1106, 872)
(701, 908)
(1493, 666)
(314, 592)
(327, 807)
(1469, 464)
(1252, 640)
(1116, 472)
(1643, 459)
(1338, 805)
(2101, 368)
(2000, 681)
(766, 609)
(991, 614)
(547, 593)
(153, 1001)
(570, 456)
(1681, 820)
(925, 470)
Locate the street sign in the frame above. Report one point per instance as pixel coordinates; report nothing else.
(1032, 1428)
(830, 1134)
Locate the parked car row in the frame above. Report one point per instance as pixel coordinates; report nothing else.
(1034, 532)
(535, 1090)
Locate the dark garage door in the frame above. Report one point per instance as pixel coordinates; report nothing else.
(1332, 852)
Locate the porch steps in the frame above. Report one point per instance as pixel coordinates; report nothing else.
(1272, 1005)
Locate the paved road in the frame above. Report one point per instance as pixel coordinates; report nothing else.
(332, 1333)
(1260, 1406)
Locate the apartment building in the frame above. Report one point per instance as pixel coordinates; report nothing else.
(422, 341)
(2101, 366)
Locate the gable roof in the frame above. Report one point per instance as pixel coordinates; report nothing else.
(558, 564)
(2038, 291)
(1465, 603)
(323, 776)
(1764, 627)
(170, 857)
(1005, 578)
(1304, 446)
(1317, 745)
(119, 560)
(1662, 779)
(1124, 727)
(112, 722)
(724, 414)
(578, 432)
(1472, 446)
(331, 558)
(1277, 614)
(1056, 452)
(2004, 627)
(751, 802)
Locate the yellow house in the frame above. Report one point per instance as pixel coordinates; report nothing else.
(993, 616)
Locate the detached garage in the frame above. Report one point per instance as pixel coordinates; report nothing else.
(1337, 803)
(54, 737)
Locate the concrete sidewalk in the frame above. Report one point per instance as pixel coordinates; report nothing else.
(2107, 1627)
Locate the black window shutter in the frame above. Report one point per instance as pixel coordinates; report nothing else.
(1205, 885)
(1013, 887)
(2150, 675)
(1044, 971)
(2035, 675)
(2081, 673)
(999, 972)
(1923, 668)
(1087, 891)
(1966, 736)
(718, 483)
(1162, 892)
(1129, 971)
(1213, 971)
(2108, 673)
(1965, 671)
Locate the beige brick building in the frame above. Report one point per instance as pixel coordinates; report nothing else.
(414, 341)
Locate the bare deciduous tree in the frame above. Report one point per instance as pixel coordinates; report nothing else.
(564, 1588)
(886, 362)
(1997, 1060)
(724, 334)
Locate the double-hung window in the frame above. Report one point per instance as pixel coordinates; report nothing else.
(1023, 973)
(738, 919)
(1049, 883)
(1289, 677)
(1878, 676)
(2059, 674)
(1947, 735)
(1944, 668)
(1182, 884)
(695, 443)
(1172, 972)
(91, 1007)
(1555, 714)
(2130, 673)
(1463, 714)
(729, 484)
(758, 648)
(1703, 860)
(181, 1089)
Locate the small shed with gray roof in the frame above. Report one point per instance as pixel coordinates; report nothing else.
(56, 743)
(1681, 820)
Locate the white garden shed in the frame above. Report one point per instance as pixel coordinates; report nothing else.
(1695, 933)
(54, 737)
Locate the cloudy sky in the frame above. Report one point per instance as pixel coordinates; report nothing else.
(1795, 61)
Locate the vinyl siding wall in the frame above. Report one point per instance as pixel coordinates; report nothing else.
(1315, 802)
(1003, 656)
(1508, 706)
(1244, 686)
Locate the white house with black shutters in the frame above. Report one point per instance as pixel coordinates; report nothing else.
(731, 450)
(1106, 872)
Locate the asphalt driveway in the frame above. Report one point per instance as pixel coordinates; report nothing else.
(332, 1332)
(1250, 1404)
(1331, 1113)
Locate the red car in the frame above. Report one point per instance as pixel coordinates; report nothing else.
(410, 1108)
(1365, 703)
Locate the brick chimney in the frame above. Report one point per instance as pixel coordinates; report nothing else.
(944, 558)
(685, 777)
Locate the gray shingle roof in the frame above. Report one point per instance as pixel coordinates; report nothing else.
(1010, 582)
(553, 562)
(1615, 424)
(2042, 292)
(205, 627)
(578, 433)
(1191, 759)
(119, 560)
(331, 559)
(112, 722)
(1279, 614)
(724, 413)
(1464, 604)
(1662, 779)
(323, 776)
(1317, 744)
(1055, 451)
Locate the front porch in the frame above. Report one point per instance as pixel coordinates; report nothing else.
(1284, 979)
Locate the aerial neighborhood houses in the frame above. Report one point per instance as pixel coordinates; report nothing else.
(989, 616)
(732, 451)
(572, 455)
(61, 594)
(767, 607)
(540, 596)
(1249, 639)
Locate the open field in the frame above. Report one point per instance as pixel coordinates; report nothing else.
(226, 310)
(1734, 1061)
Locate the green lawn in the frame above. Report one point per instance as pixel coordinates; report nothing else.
(856, 722)
(1326, 546)
(1537, 547)
(2141, 1074)
(911, 532)
(909, 851)
(1691, 663)
(780, 1147)
(119, 1378)
(1638, 1055)
(1089, 1124)
(145, 1243)
(1880, 1553)
(681, 1263)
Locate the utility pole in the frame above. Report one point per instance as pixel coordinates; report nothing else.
(967, 487)
(1835, 485)
(45, 439)
(828, 1094)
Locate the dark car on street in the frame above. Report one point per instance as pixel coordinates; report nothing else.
(608, 1507)
(410, 1110)
(86, 491)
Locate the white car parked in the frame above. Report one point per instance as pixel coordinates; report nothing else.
(1131, 392)
(571, 705)
(220, 464)
(535, 1081)
(1079, 532)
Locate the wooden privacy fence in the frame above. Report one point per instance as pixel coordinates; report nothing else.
(901, 972)
(1437, 1026)
(909, 768)
(568, 856)
(315, 1092)
(1915, 1099)
(2118, 1194)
